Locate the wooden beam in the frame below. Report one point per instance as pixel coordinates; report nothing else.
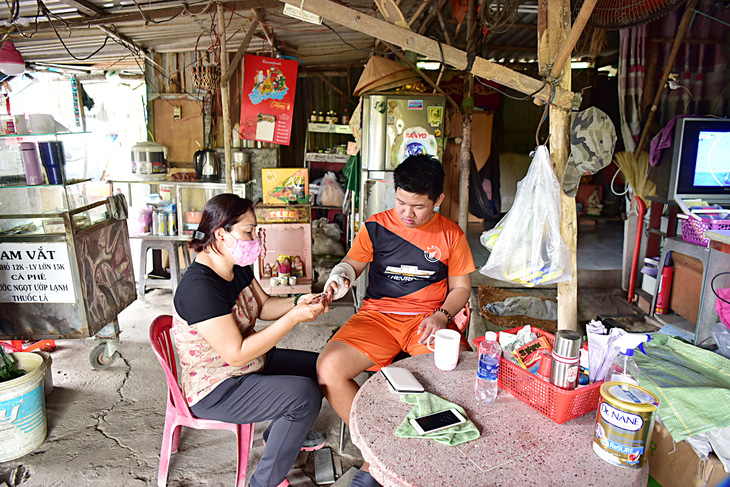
(411, 41)
(85, 7)
(267, 33)
(447, 37)
(239, 53)
(435, 9)
(681, 32)
(572, 39)
(550, 41)
(390, 12)
(225, 97)
(420, 73)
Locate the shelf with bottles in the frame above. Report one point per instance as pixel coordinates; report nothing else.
(329, 128)
(175, 214)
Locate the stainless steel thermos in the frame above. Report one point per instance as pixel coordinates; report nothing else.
(566, 358)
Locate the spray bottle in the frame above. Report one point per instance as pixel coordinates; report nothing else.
(623, 368)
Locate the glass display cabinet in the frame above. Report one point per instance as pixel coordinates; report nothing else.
(65, 264)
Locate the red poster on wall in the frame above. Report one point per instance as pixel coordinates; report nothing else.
(269, 86)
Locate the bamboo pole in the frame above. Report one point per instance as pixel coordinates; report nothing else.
(225, 98)
(466, 114)
(555, 29)
(575, 31)
(681, 32)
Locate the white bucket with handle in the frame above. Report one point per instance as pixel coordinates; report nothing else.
(23, 424)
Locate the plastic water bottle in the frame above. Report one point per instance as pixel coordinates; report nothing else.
(488, 368)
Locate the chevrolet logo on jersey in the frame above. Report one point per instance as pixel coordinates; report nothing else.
(399, 267)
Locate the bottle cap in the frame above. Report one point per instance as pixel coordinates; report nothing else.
(491, 336)
(546, 362)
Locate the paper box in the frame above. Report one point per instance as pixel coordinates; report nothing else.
(285, 186)
(681, 467)
(687, 293)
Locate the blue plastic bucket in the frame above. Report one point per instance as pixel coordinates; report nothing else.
(23, 424)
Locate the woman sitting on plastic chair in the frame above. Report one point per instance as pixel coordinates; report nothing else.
(230, 372)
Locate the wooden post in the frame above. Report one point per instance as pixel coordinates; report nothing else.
(556, 31)
(225, 98)
(466, 112)
(681, 32)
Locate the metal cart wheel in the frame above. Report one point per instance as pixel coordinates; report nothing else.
(99, 357)
(104, 354)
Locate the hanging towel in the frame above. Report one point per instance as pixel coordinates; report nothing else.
(692, 384)
(427, 403)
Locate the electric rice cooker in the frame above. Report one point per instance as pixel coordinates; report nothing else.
(149, 158)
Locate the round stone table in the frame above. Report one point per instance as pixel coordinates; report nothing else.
(517, 447)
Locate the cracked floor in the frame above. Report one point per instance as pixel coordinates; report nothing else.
(105, 427)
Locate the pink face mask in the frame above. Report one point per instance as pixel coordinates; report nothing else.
(245, 252)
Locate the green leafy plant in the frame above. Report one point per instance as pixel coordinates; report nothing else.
(8, 370)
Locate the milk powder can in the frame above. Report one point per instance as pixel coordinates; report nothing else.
(624, 423)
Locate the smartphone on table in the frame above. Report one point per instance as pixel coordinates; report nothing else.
(437, 421)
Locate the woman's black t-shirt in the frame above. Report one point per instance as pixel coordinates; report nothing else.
(202, 294)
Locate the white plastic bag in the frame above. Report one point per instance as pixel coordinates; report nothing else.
(331, 192)
(530, 249)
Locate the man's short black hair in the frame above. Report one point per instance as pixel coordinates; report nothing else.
(421, 174)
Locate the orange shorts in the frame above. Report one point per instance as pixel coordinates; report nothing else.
(382, 336)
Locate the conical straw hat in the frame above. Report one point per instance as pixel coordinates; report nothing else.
(380, 69)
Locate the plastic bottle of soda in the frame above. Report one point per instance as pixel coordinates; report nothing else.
(488, 368)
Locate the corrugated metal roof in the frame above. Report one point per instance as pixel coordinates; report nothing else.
(168, 26)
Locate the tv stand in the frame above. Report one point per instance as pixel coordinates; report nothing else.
(713, 262)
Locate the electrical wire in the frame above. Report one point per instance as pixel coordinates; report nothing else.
(523, 98)
(493, 17)
(357, 48)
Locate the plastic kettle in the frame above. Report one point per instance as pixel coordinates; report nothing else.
(207, 165)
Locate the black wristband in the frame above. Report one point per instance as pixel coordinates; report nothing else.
(296, 298)
(448, 315)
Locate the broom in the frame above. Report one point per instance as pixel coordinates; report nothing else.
(636, 172)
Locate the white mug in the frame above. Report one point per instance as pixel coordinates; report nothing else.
(446, 348)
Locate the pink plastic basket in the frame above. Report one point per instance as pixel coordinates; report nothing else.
(694, 230)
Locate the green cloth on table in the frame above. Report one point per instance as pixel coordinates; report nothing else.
(426, 403)
(692, 385)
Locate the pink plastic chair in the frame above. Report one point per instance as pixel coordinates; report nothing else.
(178, 414)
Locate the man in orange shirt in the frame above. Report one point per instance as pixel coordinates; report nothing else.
(419, 278)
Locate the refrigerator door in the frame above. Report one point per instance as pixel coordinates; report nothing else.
(414, 125)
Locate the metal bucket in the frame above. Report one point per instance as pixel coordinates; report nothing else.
(624, 423)
(23, 424)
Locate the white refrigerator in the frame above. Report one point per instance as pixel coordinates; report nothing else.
(394, 126)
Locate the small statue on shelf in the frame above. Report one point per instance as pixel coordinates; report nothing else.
(284, 267)
(267, 271)
(274, 270)
(297, 267)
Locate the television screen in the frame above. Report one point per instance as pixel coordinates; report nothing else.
(712, 165)
(701, 160)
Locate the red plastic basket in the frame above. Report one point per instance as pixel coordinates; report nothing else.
(694, 230)
(551, 401)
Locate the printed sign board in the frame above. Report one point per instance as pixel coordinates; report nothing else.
(35, 273)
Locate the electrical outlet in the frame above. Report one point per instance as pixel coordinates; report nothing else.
(177, 112)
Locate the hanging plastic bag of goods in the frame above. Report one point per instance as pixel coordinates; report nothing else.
(529, 249)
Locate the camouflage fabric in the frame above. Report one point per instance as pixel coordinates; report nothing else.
(592, 140)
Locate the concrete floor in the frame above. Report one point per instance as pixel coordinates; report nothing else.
(105, 427)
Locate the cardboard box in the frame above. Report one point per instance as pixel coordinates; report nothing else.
(686, 287)
(285, 186)
(677, 465)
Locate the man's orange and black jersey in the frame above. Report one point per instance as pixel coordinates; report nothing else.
(409, 267)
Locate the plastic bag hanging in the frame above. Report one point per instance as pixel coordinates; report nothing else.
(529, 249)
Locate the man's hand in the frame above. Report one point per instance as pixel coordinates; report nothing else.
(341, 277)
(431, 325)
